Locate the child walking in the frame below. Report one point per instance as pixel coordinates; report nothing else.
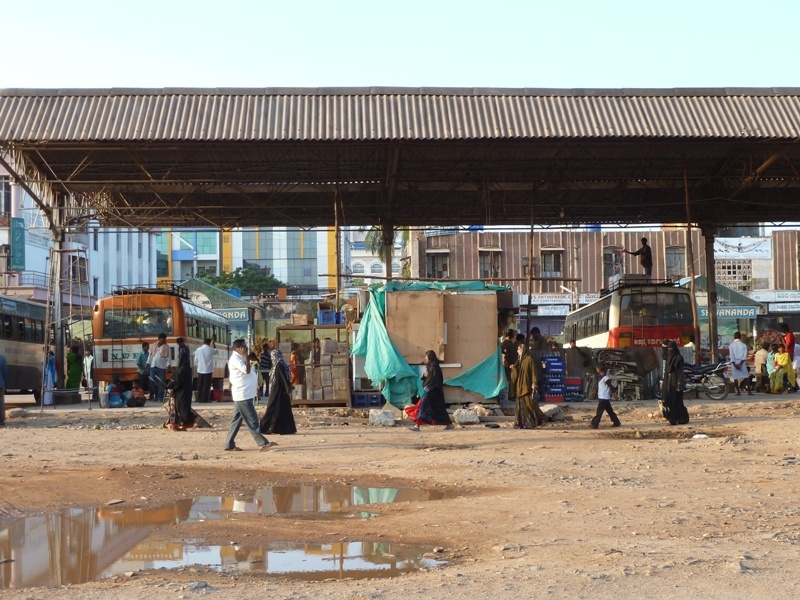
(604, 391)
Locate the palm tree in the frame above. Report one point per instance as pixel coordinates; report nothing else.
(374, 242)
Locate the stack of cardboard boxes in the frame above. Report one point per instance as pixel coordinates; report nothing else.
(330, 379)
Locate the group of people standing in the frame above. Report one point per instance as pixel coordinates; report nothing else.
(523, 365)
(777, 365)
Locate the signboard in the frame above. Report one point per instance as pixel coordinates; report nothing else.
(729, 312)
(239, 321)
(553, 311)
(17, 244)
(538, 299)
(775, 296)
(745, 248)
(785, 307)
(588, 298)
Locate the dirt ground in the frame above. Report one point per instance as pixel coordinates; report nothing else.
(563, 511)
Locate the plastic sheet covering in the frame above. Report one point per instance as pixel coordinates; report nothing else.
(487, 378)
(384, 364)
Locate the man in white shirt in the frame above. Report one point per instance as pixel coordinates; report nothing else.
(159, 362)
(204, 359)
(244, 389)
(738, 355)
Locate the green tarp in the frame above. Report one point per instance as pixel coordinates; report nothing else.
(384, 364)
(487, 378)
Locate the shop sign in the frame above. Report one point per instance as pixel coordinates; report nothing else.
(784, 307)
(730, 312)
(553, 310)
(538, 299)
(588, 298)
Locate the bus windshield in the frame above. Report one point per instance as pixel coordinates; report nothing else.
(655, 308)
(137, 322)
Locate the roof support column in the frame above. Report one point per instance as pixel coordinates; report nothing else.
(692, 274)
(388, 213)
(711, 278)
(388, 248)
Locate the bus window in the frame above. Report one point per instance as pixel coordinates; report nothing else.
(655, 309)
(19, 323)
(7, 333)
(39, 327)
(27, 334)
(129, 323)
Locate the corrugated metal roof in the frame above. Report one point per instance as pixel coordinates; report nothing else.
(372, 114)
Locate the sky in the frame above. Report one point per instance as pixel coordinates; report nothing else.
(408, 43)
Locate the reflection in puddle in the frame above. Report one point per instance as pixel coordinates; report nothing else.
(80, 545)
(287, 559)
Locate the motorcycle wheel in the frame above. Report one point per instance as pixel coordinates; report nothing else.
(658, 391)
(716, 387)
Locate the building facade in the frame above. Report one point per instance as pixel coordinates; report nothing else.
(110, 257)
(571, 266)
(303, 259)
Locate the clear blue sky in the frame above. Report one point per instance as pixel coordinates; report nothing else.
(553, 43)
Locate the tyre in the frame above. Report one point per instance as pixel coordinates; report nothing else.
(716, 387)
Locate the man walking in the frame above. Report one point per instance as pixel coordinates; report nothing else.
(204, 359)
(646, 255)
(244, 390)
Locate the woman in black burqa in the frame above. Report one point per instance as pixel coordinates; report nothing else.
(181, 383)
(278, 417)
(672, 407)
(432, 409)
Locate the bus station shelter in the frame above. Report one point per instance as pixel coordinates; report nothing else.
(406, 157)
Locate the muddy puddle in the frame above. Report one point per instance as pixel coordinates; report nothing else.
(78, 545)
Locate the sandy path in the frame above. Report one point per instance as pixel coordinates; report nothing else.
(562, 512)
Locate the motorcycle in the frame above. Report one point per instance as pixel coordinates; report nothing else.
(709, 379)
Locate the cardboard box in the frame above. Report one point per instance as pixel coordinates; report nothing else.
(342, 348)
(315, 394)
(340, 359)
(325, 359)
(340, 372)
(329, 346)
(327, 393)
(325, 377)
(314, 377)
(286, 350)
(342, 385)
(299, 319)
(298, 393)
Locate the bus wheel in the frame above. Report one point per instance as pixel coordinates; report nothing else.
(37, 395)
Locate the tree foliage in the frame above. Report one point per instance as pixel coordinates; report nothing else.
(250, 281)
(374, 242)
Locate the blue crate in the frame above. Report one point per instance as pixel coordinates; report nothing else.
(326, 317)
(367, 400)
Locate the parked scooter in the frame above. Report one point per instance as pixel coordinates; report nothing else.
(709, 379)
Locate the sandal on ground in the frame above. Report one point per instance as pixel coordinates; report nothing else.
(414, 428)
(234, 449)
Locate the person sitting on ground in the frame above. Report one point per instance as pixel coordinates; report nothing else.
(137, 395)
